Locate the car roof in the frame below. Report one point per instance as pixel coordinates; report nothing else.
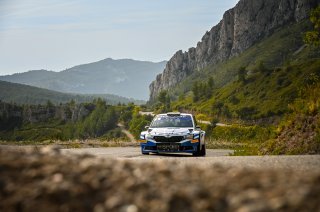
(174, 113)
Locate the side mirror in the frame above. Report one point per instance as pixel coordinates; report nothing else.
(198, 127)
(147, 127)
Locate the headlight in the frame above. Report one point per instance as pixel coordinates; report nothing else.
(189, 136)
(142, 137)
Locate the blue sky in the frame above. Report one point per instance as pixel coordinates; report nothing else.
(58, 34)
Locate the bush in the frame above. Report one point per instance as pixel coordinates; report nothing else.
(246, 112)
(238, 133)
(138, 123)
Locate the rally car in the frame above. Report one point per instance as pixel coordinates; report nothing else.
(173, 133)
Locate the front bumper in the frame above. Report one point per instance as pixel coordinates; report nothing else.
(165, 147)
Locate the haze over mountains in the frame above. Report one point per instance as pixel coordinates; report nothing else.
(124, 77)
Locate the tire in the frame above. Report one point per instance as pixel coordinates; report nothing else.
(203, 150)
(198, 152)
(145, 153)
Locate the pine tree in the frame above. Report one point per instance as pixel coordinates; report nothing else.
(313, 37)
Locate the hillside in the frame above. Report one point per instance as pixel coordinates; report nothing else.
(25, 94)
(242, 27)
(125, 77)
(276, 69)
(262, 79)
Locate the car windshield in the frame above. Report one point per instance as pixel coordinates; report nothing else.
(172, 121)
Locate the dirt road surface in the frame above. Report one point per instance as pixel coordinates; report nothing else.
(214, 157)
(120, 179)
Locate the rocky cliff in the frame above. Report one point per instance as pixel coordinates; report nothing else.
(241, 27)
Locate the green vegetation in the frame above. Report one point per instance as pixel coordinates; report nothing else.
(313, 37)
(270, 94)
(283, 47)
(162, 103)
(239, 133)
(38, 124)
(244, 139)
(138, 124)
(282, 92)
(101, 120)
(275, 81)
(299, 132)
(61, 122)
(260, 83)
(134, 121)
(202, 90)
(242, 74)
(263, 95)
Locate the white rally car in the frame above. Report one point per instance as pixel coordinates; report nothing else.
(173, 133)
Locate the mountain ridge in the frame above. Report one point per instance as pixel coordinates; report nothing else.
(123, 77)
(26, 94)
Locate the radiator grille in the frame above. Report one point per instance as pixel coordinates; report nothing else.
(173, 139)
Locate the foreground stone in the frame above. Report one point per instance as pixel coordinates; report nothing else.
(45, 180)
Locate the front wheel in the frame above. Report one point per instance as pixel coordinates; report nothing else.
(145, 153)
(203, 150)
(198, 152)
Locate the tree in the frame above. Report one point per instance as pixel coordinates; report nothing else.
(202, 90)
(138, 123)
(313, 37)
(195, 91)
(49, 104)
(209, 87)
(101, 120)
(262, 68)
(164, 99)
(210, 82)
(126, 115)
(242, 74)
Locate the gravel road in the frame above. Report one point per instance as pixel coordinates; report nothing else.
(120, 179)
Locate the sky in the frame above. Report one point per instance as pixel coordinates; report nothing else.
(59, 34)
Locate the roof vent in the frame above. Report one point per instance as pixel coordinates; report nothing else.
(174, 114)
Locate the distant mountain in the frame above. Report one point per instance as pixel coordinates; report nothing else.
(125, 77)
(25, 94)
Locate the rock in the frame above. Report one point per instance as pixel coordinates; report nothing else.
(247, 23)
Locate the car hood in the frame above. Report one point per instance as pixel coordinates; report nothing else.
(169, 131)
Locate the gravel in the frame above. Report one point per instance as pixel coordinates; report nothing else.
(46, 180)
